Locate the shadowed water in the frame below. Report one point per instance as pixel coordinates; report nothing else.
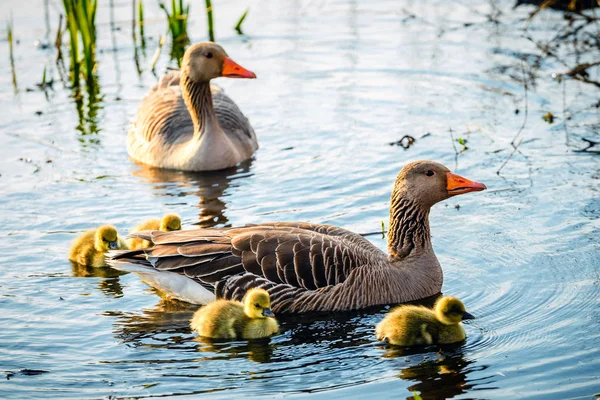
(337, 82)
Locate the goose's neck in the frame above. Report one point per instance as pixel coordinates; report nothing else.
(408, 232)
(198, 100)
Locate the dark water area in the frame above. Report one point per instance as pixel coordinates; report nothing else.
(337, 82)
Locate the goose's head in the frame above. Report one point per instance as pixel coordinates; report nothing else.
(106, 238)
(451, 311)
(428, 182)
(170, 222)
(257, 304)
(207, 60)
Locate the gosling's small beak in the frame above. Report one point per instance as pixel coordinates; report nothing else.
(268, 313)
(231, 69)
(467, 315)
(113, 245)
(456, 184)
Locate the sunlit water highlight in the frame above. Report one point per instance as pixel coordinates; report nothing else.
(338, 81)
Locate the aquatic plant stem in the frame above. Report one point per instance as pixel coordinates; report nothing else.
(133, 23)
(81, 23)
(238, 26)
(141, 22)
(161, 42)
(209, 18)
(512, 142)
(9, 30)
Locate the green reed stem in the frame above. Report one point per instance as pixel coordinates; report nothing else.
(209, 17)
(238, 26)
(9, 31)
(81, 24)
(141, 22)
(177, 19)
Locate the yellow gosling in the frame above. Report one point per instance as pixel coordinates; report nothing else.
(410, 325)
(228, 319)
(89, 248)
(168, 223)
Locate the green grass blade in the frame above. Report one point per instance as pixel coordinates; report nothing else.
(9, 31)
(141, 22)
(209, 17)
(238, 26)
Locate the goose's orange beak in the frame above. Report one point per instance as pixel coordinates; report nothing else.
(231, 69)
(456, 184)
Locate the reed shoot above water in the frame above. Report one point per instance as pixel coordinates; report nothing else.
(9, 32)
(238, 26)
(177, 19)
(141, 23)
(81, 24)
(209, 19)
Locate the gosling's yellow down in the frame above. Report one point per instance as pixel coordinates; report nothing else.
(89, 248)
(227, 319)
(410, 325)
(168, 223)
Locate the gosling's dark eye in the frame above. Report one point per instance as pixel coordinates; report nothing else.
(209, 55)
(429, 173)
(257, 305)
(104, 240)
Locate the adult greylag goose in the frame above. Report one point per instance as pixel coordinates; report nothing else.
(185, 123)
(307, 267)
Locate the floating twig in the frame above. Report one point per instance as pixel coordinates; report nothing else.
(405, 142)
(44, 142)
(526, 113)
(591, 143)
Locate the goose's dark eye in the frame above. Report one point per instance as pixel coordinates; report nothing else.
(257, 305)
(429, 172)
(209, 55)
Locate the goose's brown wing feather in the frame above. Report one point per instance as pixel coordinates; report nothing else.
(230, 117)
(163, 115)
(298, 255)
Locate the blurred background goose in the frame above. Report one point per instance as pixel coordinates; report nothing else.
(228, 319)
(307, 267)
(185, 123)
(168, 223)
(410, 325)
(90, 248)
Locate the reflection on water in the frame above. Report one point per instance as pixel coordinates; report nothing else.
(147, 328)
(88, 102)
(444, 375)
(110, 285)
(260, 351)
(337, 82)
(209, 187)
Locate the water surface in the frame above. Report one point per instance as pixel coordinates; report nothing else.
(338, 81)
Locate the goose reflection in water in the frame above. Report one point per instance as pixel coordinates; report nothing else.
(167, 325)
(110, 285)
(442, 377)
(210, 187)
(257, 350)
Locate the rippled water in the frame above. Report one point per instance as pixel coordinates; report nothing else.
(338, 81)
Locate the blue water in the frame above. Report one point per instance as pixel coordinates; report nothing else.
(337, 82)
